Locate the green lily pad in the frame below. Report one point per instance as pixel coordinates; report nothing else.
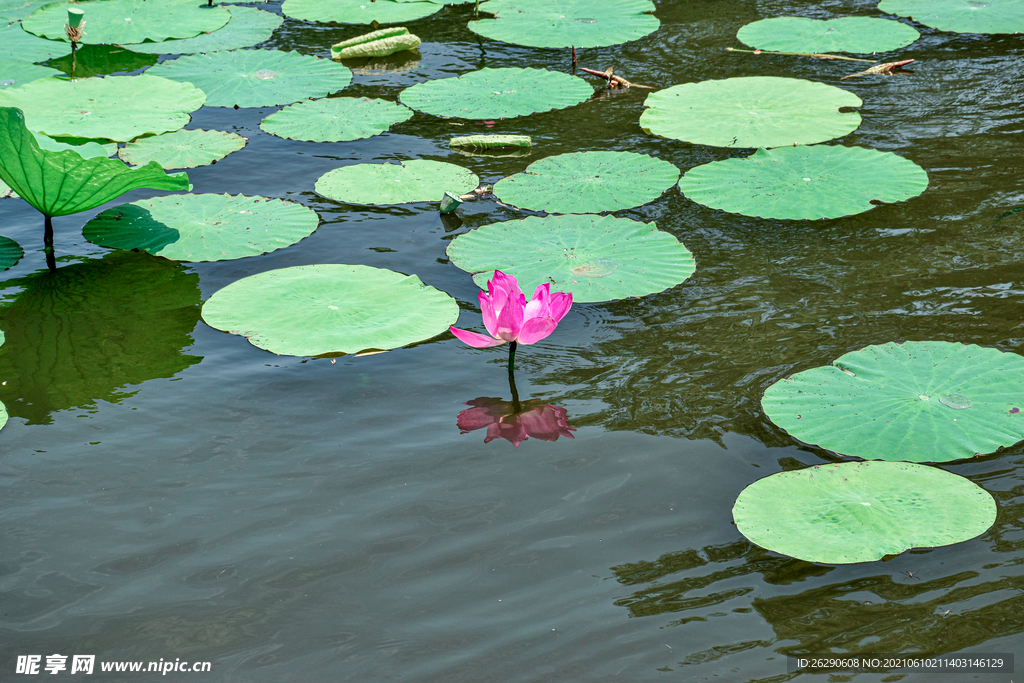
(16, 10)
(335, 119)
(597, 258)
(861, 35)
(100, 60)
(124, 22)
(861, 511)
(757, 111)
(916, 401)
(63, 183)
(256, 78)
(961, 16)
(497, 93)
(248, 26)
(588, 182)
(18, 45)
(331, 309)
(3, 415)
(182, 148)
(805, 182)
(380, 43)
(118, 108)
(88, 150)
(491, 142)
(10, 253)
(405, 183)
(13, 74)
(358, 11)
(566, 23)
(6, 192)
(203, 227)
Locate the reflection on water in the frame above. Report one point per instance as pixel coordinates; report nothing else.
(84, 332)
(515, 421)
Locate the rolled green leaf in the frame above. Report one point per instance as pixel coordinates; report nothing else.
(491, 141)
(380, 43)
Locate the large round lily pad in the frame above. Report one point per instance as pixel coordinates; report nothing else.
(410, 181)
(10, 253)
(15, 10)
(861, 511)
(203, 227)
(335, 119)
(123, 22)
(916, 401)
(256, 78)
(566, 23)
(961, 16)
(118, 108)
(497, 93)
(805, 182)
(358, 11)
(861, 35)
(588, 182)
(248, 26)
(596, 258)
(13, 74)
(757, 111)
(18, 45)
(182, 148)
(331, 309)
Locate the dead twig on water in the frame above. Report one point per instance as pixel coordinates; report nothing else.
(884, 68)
(814, 55)
(615, 81)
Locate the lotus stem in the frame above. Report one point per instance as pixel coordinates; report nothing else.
(74, 58)
(512, 356)
(512, 380)
(51, 261)
(574, 56)
(815, 55)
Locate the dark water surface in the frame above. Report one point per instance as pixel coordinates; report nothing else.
(170, 491)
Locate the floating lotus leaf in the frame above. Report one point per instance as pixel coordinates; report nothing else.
(861, 35)
(182, 149)
(88, 150)
(961, 16)
(758, 111)
(358, 11)
(916, 401)
(248, 26)
(861, 511)
(404, 183)
(3, 415)
(6, 192)
(497, 93)
(13, 74)
(331, 309)
(63, 183)
(124, 22)
(10, 253)
(597, 258)
(203, 227)
(588, 182)
(381, 43)
(805, 182)
(256, 78)
(15, 10)
(335, 119)
(118, 108)
(100, 60)
(18, 45)
(491, 142)
(566, 23)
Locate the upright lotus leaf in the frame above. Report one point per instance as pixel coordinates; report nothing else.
(566, 23)
(256, 78)
(861, 511)
(18, 45)
(805, 182)
(757, 111)
(331, 309)
(13, 74)
(497, 93)
(203, 227)
(358, 11)
(380, 43)
(916, 401)
(63, 183)
(117, 108)
(10, 253)
(335, 119)
(588, 182)
(248, 26)
(182, 148)
(490, 142)
(405, 183)
(596, 258)
(861, 35)
(961, 16)
(101, 60)
(123, 22)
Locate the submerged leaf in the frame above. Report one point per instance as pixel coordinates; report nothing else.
(10, 253)
(566, 23)
(123, 22)
(861, 35)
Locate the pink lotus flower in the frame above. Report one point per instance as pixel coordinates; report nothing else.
(509, 318)
(514, 421)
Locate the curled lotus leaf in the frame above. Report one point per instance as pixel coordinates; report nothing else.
(917, 401)
(123, 22)
(419, 180)
(861, 35)
(380, 43)
(756, 111)
(335, 119)
(358, 11)
(331, 309)
(961, 16)
(796, 183)
(861, 511)
(566, 23)
(491, 142)
(248, 26)
(182, 148)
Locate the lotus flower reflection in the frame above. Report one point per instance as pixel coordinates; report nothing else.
(515, 421)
